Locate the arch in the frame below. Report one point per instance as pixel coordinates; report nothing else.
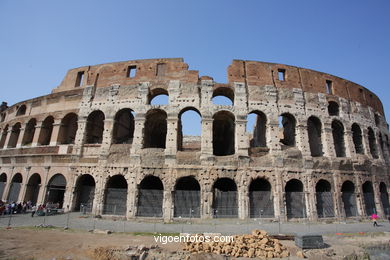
(357, 138)
(158, 96)
(46, 130)
(225, 199)
(333, 108)
(16, 184)
(68, 129)
(29, 132)
(287, 124)
(150, 197)
(3, 182)
(261, 203)
(56, 190)
(95, 127)
(324, 197)
(32, 190)
(384, 198)
(369, 201)
(115, 196)
(187, 198)
(189, 130)
(3, 136)
(381, 144)
(84, 193)
(223, 133)
(295, 199)
(338, 138)
(348, 197)
(314, 132)
(21, 110)
(15, 132)
(223, 96)
(372, 143)
(257, 127)
(155, 129)
(123, 131)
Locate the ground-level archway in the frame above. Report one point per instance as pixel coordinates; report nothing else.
(150, 197)
(3, 182)
(32, 190)
(187, 198)
(56, 190)
(16, 184)
(225, 201)
(348, 197)
(384, 198)
(369, 201)
(85, 193)
(295, 199)
(324, 197)
(261, 204)
(115, 196)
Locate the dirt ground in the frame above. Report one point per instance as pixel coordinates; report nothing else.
(43, 243)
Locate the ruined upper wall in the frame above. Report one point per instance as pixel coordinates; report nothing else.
(151, 70)
(255, 73)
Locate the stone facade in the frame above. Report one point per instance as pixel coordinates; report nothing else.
(319, 149)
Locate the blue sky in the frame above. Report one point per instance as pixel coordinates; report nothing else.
(41, 40)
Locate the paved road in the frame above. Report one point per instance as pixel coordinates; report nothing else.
(224, 226)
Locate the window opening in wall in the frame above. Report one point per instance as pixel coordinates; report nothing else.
(256, 130)
(161, 69)
(338, 138)
(223, 133)
(3, 136)
(377, 120)
(79, 78)
(357, 138)
(14, 135)
(2, 117)
(287, 129)
(46, 130)
(372, 143)
(131, 71)
(21, 110)
(68, 129)
(95, 127)
(333, 108)
(223, 96)
(123, 127)
(329, 87)
(314, 133)
(282, 74)
(158, 96)
(155, 129)
(189, 130)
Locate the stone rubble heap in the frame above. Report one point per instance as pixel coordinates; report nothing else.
(257, 244)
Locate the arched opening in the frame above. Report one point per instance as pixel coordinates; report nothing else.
(16, 184)
(314, 133)
(123, 131)
(261, 203)
(33, 186)
(155, 130)
(56, 190)
(15, 132)
(287, 125)
(348, 197)
(95, 127)
(115, 196)
(84, 193)
(369, 201)
(3, 182)
(324, 198)
(187, 198)
(333, 108)
(29, 132)
(223, 96)
(158, 96)
(189, 130)
(46, 130)
(384, 198)
(225, 204)
(68, 129)
(223, 133)
(150, 197)
(381, 144)
(295, 199)
(256, 128)
(338, 138)
(372, 143)
(3, 136)
(21, 110)
(377, 119)
(357, 138)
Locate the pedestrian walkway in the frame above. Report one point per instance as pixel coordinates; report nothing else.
(225, 226)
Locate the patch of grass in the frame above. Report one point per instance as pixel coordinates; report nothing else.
(153, 234)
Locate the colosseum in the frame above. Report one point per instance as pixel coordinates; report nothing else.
(319, 148)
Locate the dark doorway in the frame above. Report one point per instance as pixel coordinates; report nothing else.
(348, 197)
(150, 197)
(338, 138)
(85, 193)
(68, 129)
(16, 184)
(357, 138)
(46, 130)
(225, 202)
(295, 199)
(95, 127)
(3, 182)
(261, 203)
(324, 199)
(123, 127)
(33, 186)
(314, 132)
(223, 133)
(369, 201)
(187, 198)
(384, 198)
(115, 199)
(56, 190)
(155, 130)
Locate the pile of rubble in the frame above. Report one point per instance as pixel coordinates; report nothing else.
(258, 244)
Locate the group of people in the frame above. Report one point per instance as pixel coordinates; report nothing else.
(14, 208)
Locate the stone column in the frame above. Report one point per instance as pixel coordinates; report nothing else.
(37, 132)
(366, 143)
(167, 205)
(80, 136)
(302, 139)
(8, 186)
(171, 139)
(241, 140)
(206, 204)
(98, 200)
(359, 197)
(243, 209)
(136, 147)
(207, 138)
(328, 144)
(338, 209)
(69, 192)
(55, 132)
(107, 137)
(349, 144)
(311, 198)
(21, 135)
(43, 190)
(23, 190)
(7, 138)
(132, 196)
(379, 147)
(377, 198)
(272, 134)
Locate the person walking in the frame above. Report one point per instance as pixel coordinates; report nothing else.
(33, 210)
(374, 217)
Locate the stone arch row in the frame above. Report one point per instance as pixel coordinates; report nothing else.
(187, 196)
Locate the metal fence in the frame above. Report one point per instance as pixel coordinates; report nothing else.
(296, 206)
(115, 201)
(150, 203)
(325, 207)
(187, 204)
(261, 204)
(225, 204)
(349, 201)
